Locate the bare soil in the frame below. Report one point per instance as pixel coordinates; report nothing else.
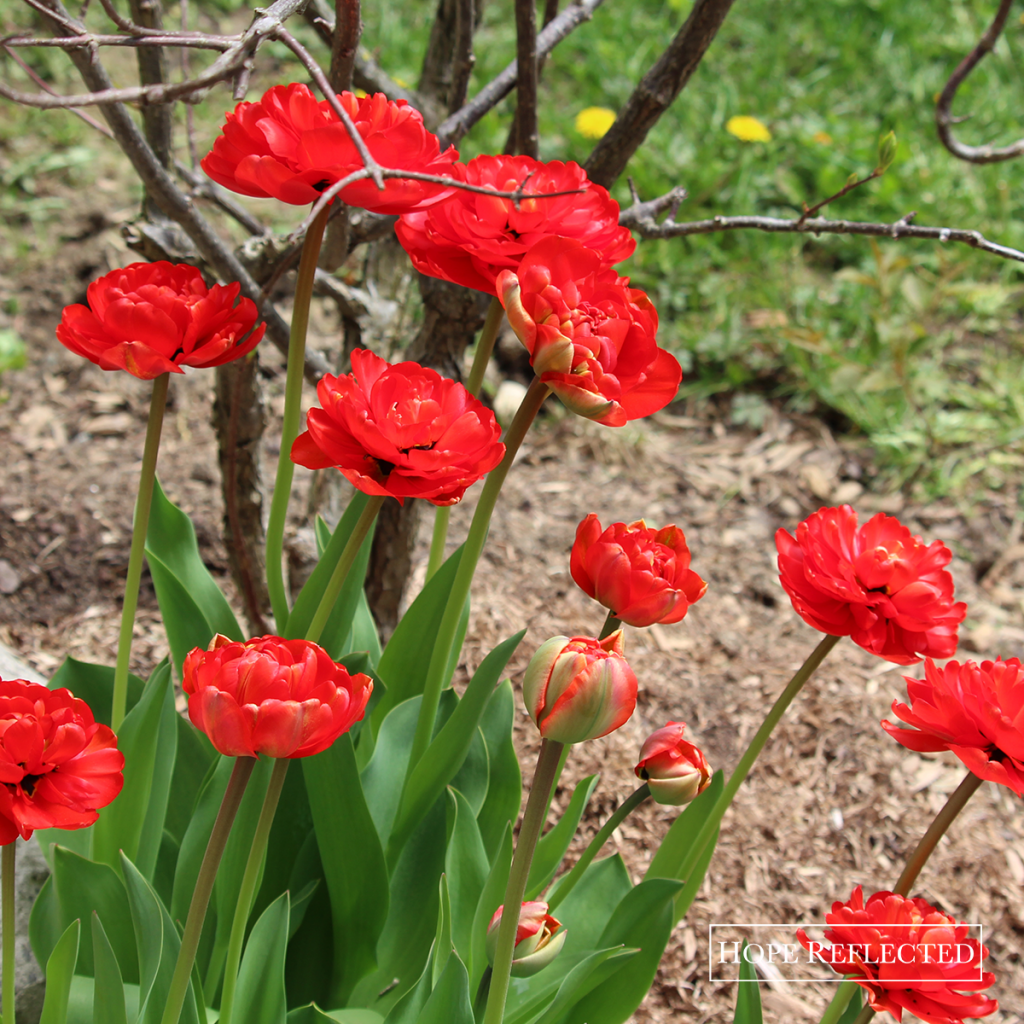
(833, 802)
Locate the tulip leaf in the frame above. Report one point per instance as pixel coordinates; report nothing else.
(60, 969)
(472, 779)
(589, 907)
(447, 1003)
(466, 868)
(442, 947)
(151, 836)
(353, 862)
(552, 846)
(44, 923)
(853, 1007)
(121, 824)
(504, 776)
(312, 1014)
(451, 744)
(748, 993)
(364, 635)
(403, 665)
(171, 541)
(677, 842)
(194, 757)
(490, 899)
(689, 891)
(95, 685)
(261, 996)
(108, 995)
(310, 950)
(84, 887)
(339, 623)
(643, 919)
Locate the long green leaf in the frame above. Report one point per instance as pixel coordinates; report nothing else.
(152, 833)
(44, 927)
(748, 993)
(108, 996)
(261, 995)
(60, 969)
(466, 868)
(442, 947)
(95, 685)
(448, 1002)
(312, 1014)
(504, 776)
(679, 838)
(552, 846)
(689, 891)
(194, 757)
(490, 899)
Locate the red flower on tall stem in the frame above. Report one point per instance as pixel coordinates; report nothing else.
(640, 574)
(470, 238)
(877, 584)
(400, 430)
(281, 698)
(154, 318)
(58, 766)
(290, 147)
(674, 769)
(591, 337)
(976, 711)
(906, 955)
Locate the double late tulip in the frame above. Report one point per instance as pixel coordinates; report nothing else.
(674, 769)
(539, 939)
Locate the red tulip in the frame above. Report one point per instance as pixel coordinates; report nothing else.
(470, 238)
(58, 766)
(153, 318)
(906, 955)
(282, 698)
(400, 430)
(539, 938)
(579, 689)
(674, 769)
(290, 147)
(878, 584)
(591, 337)
(976, 711)
(641, 575)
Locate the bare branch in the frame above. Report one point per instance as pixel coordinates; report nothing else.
(656, 91)
(463, 58)
(527, 132)
(641, 218)
(186, 40)
(348, 28)
(810, 211)
(454, 127)
(156, 118)
(944, 118)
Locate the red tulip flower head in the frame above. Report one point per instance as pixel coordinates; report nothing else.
(579, 689)
(906, 955)
(288, 146)
(674, 769)
(591, 337)
(58, 766)
(470, 238)
(877, 584)
(153, 318)
(539, 939)
(400, 430)
(641, 575)
(281, 698)
(976, 711)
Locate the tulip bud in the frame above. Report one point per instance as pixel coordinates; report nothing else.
(675, 770)
(539, 939)
(580, 688)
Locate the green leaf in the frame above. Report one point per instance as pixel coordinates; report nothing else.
(446, 753)
(466, 868)
(677, 842)
(689, 891)
(194, 757)
(491, 897)
(383, 778)
(552, 846)
(152, 834)
(472, 779)
(83, 887)
(312, 1014)
(442, 947)
(886, 151)
(748, 993)
(261, 996)
(44, 927)
(60, 969)
(339, 623)
(853, 1007)
(586, 911)
(364, 635)
(121, 824)
(108, 995)
(643, 920)
(95, 685)
(353, 862)
(448, 1003)
(504, 776)
(585, 977)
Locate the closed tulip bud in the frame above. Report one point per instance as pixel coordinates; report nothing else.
(674, 769)
(539, 939)
(580, 688)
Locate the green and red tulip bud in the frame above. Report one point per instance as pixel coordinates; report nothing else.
(674, 769)
(539, 938)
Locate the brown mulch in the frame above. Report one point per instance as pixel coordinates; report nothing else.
(833, 801)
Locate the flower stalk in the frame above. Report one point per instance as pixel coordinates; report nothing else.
(611, 623)
(7, 922)
(529, 833)
(840, 1001)
(292, 416)
(140, 526)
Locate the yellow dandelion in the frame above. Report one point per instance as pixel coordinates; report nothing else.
(594, 122)
(747, 129)
(361, 94)
(822, 138)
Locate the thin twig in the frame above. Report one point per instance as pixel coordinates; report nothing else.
(809, 211)
(189, 40)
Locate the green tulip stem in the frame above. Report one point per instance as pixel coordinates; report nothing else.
(865, 1014)
(348, 557)
(840, 1001)
(204, 888)
(610, 625)
(750, 755)
(7, 923)
(140, 526)
(529, 833)
(247, 892)
(953, 806)
(438, 669)
(568, 882)
(482, 356)
(292, 416)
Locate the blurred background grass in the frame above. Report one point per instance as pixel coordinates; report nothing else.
(914, 345)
